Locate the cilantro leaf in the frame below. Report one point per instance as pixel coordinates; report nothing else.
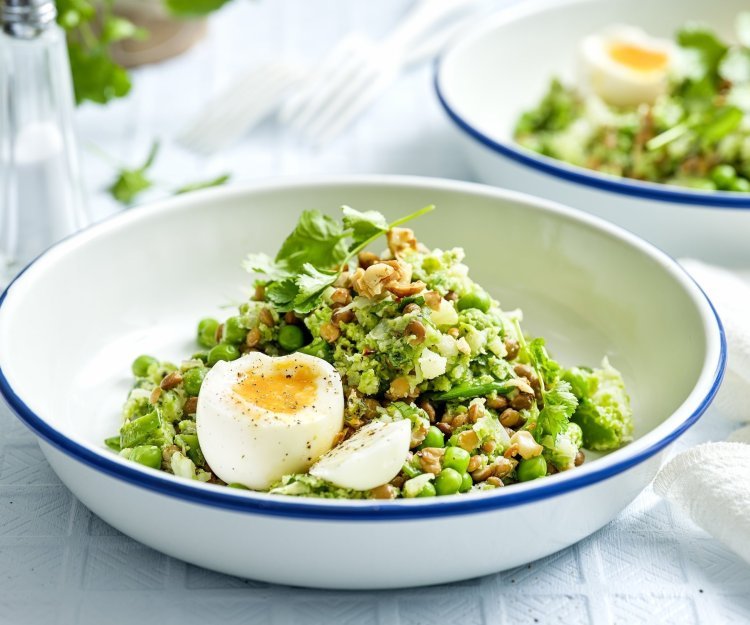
(559, 405)
(363, 226)
(536, 353)
(282, 293)
(265, 265)
(132, 182)
(311, 284)
(317, 239)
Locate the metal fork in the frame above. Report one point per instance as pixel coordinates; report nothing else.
(354, 73)
(243, 104)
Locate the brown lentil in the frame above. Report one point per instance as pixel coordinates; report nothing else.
(329, 332)
(290, 318)
(522, 401)
(512, 347)
(500, 402)
(219, 332)
(253, 337)
(341, 296)
(171, 380)
(371, 407)
(580, 458)
(475, 411)
(342, 316)
(415, 332)
(398, 389)
(468, 440)
(155, 395)
(385, 491)
(191, 406)
(427, 406)
(260, 292)
(510, 418)
(445, 428)
(488, 447)
(411, 307)
(460, 419)
(266, 317)
(482, 474)
(451, 296)
(495, 481)
(503, 467)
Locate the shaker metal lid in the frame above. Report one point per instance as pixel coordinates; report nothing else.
(26, 19)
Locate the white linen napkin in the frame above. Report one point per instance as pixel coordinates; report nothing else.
(711, 482)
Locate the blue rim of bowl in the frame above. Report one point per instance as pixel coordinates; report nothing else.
(582, 176)
(308, 508)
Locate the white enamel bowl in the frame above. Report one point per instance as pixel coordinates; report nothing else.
(71, 324)
(502, 67)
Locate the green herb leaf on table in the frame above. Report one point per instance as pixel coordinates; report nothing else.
(204, 184)
(193, 8)
(131, 182)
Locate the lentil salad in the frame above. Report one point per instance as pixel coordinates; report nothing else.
(412, 337)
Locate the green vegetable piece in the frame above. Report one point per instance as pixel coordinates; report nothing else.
(428, 490)
(148, 455)
(223, 351)
(139, 430)
(113, 442)
(233, 332)
(207, 332)
(410, 471)
(434, 438)
(724, 176)
(318, 348)
(193, 448)
(469, 390)
(741, 184)
(238, 486)
(479, 300)
(721, 123)
(203, 356)
(561, 450)
(132, 182)
(141, 364)
(448, 482)
(194, 8)
(192, 380)
(531, 469)
(203, 184)
(466, 483)
(456, 458)
(291, 338)
(604, 413)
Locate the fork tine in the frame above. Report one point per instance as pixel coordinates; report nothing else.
(328, 93)
(328, 66)
(244, 101)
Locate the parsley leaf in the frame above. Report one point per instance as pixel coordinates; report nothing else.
(318, 239)
(131, 182)
(559, 405)
(363, 226)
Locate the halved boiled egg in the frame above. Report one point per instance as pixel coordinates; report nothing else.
(373, 456)
(261, 417)
(625, 66)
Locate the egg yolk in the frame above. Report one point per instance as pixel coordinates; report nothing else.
(638, 58)
(283, 390)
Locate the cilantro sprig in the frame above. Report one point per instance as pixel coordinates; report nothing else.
(313, 255)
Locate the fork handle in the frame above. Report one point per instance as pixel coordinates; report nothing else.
(420, 21)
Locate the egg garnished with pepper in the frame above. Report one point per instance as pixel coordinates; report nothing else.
(261, 417)
(625, 66)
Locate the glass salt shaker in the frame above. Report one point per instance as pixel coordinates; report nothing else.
(41, 198)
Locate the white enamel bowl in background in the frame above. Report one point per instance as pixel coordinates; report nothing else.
(72, 323)
(502, 67)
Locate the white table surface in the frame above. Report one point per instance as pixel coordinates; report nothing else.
(61, 564)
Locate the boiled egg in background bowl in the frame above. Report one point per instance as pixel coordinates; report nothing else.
(261, 417)
(625, 66)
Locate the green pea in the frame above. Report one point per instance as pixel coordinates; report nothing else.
(434, 438)
(291, 338)
(223, 351)
(141, 365)
(531, 469)
(148, 455)
(741, 184)
(466, 483)
(428, 490)
(448, 482)
(233, 331)
(724, 176)
(192, 380)
(456, 458)
(207, 332)
(479, 300)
